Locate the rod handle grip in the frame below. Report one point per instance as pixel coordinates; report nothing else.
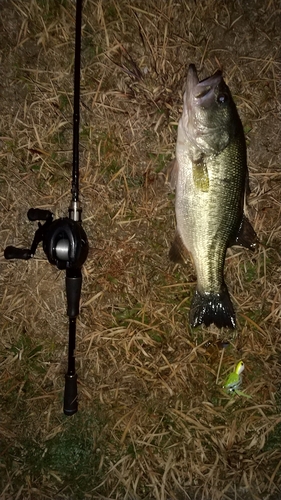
(38, 214)
(70, 405)
(73, 293)
(11, 252)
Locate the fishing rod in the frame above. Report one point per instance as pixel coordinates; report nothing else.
(64, 240)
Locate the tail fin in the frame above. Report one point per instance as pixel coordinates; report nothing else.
(211, 308)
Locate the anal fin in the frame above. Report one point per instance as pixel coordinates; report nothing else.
(178, 252)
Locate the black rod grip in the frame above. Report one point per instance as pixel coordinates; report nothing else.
(73, 292)
(38, 214)
(11, 252)
(70, 405)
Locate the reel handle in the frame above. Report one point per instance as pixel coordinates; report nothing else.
(11, 252)
(38, 214)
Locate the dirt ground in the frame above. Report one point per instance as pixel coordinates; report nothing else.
(153, 420)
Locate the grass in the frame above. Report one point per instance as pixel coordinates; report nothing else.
(153, 420)
(70, 452)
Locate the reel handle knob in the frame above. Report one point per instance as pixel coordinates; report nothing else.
(38, 214)
(11, 252)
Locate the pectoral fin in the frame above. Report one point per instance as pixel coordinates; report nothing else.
(246, 236)
(172, 173)
(200, 176)
(178, 252)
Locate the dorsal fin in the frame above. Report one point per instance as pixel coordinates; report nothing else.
(246, 235)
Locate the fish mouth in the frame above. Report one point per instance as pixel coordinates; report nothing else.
(202, 92)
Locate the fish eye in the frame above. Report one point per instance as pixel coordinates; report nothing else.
(222, 98)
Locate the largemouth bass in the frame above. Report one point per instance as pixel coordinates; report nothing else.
(211, 179)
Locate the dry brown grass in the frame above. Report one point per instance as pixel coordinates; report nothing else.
(153, 422)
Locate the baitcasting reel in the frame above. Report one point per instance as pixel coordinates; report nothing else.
(66, 246)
